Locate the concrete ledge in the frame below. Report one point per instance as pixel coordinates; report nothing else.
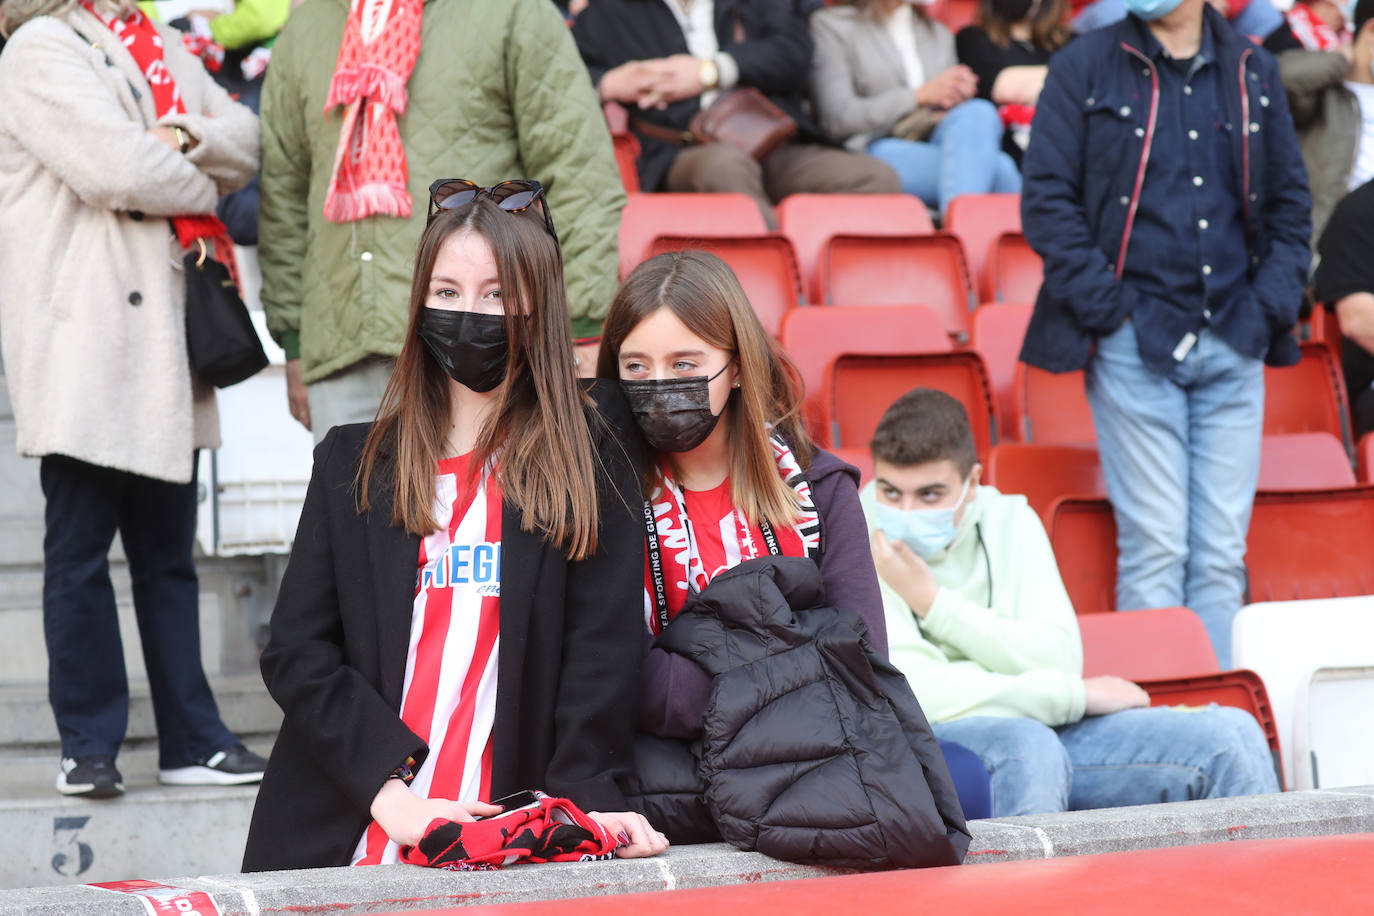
(343, 891)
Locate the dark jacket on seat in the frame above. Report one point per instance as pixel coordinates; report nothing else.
(814, 748)
(1085, 173)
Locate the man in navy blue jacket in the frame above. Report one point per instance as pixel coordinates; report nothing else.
(1165, 190)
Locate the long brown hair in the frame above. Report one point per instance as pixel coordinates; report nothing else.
(1049, 28)
(539, 424)
(703, 292)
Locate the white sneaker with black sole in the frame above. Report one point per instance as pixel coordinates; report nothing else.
(232, 766)
(89, 777)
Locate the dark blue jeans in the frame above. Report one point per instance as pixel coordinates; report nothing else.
(87, 684)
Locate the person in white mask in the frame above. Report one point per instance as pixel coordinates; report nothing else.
(979, 622)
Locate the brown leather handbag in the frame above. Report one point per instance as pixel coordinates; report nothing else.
(746, 119)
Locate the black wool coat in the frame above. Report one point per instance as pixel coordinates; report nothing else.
(568, 666)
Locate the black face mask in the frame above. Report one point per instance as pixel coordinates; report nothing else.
(1012, 10)
(674, 413)
(471, 347)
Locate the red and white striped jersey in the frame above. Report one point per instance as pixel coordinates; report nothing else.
(449, 697)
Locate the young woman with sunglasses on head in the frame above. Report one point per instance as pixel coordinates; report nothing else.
(732, 474)
(451, 626)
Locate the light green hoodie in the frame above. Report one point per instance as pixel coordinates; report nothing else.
(1022, 656)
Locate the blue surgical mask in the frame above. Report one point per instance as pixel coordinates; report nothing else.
(1150, 10)
(926, 531)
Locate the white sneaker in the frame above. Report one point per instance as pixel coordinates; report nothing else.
(233, 766)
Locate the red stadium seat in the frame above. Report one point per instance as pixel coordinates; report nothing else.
(1365, 458)
(815, 336)
(696, 216)
(924, 270)
(861, 458)
(1083, 535)
(859, 389)
(978, 220)
(764, 264)
(955, 14)
(1045, 473)
(1309, 397)
(1052, 408)
(1146, 645)
(1014, 270)
(1311, 544)
(998, 331)
(1299, 461)
(809, 220)
(625, 144)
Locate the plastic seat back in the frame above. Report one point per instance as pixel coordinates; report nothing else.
(625, 144)
(692, 216)
(1309, 397)
(1045, 473)
(859, 389)
(1052, 408)
(1311, 544)
(1146, 645)
(1015, 271)
(998, 331)
(924, 270)
(955, 14)
(1300, 461)
(979, 220)
(815, 336)
(861, 458)
(764, 264)
(1364, 456)
(1083, 535)
(809, 221)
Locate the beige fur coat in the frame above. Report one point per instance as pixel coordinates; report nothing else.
(92, 293)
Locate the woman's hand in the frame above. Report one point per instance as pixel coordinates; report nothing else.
(638, 838)
(406, 816)
(956, 85)
(168, 136)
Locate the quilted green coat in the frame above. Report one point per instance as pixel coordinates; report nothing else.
(499, 92)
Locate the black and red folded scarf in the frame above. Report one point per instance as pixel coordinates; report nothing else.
(554, 830)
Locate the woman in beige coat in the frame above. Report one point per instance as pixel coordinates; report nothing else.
(92, 320)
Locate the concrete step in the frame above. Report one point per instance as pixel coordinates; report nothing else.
(50, 839)
(27, 726)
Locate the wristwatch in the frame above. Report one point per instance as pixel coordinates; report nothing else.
(709, 74)
(182, 140)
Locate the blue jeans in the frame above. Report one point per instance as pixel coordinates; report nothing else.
(87, 683)
(1133, 757)
(971, 781)
(1259, 18)
(963, 156)
(1180, 456)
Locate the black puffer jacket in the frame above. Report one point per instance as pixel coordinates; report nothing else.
(814, 749)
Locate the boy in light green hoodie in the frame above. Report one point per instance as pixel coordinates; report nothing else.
(979, 622)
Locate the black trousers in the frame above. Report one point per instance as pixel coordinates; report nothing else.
(87, 683)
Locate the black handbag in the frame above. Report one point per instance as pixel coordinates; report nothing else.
(221, 342)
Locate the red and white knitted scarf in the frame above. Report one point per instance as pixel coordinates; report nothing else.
(140, 37)
(380, 46)
(685, 570)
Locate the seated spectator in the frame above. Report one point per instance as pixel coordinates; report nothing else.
(1010, 53)
(1345, 283)
(669, 60)
(979, 622)
(1318, 25)
(1331, 95)
(886, 80)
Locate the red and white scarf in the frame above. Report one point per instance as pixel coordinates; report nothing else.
(380, 45)
(690, 563)
(141, 39)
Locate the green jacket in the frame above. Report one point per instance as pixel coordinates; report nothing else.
(1004, 646)
(498, 92)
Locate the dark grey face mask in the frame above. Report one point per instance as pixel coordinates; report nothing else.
(470, 346)
(674, 413)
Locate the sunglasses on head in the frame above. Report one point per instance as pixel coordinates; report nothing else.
(514, 196)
